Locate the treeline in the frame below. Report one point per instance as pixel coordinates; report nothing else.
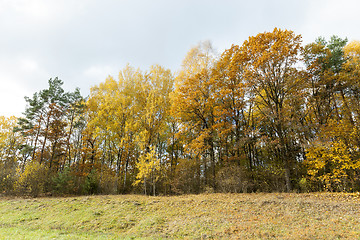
(267, 115)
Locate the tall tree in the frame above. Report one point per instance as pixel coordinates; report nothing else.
(45, 123)
(333, 155)
(194, 106)
(234, 108)
(277, 83)
(324, 62)
(10, 156)
(130, 117)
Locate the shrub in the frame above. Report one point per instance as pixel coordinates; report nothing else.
(107, 181)
(7, 179)
(186, 178)
(33, 180)
(233, 179)
(269, 179)
(91, 184)
(63, 182)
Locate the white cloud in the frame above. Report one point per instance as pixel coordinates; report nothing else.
(19, 77)
(42, 12)
(22, 69)
(98, 71)
(35, 8)
(29, 65)
(12, 98)
(331, 17)
(97, 74)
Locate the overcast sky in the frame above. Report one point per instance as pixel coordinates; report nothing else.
(84, 41)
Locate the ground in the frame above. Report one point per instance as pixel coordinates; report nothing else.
(206, 216)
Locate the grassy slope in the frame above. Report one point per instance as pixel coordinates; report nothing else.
(218, 216)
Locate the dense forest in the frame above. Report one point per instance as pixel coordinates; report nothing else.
(268, 115)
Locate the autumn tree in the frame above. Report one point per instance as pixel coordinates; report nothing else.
(153, 101)
(194, 106)
(350, 77)
(40, 116)
(277, 85)
(234, 108)
(75, 121)
(129, 117)
(333, 157)
(48, 124)
(10, 155)
(111, 109)
(148, 166)
(324, 62)
(333, 161)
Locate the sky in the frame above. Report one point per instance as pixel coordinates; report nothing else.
(84, 41)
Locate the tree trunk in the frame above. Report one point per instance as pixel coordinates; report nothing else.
(145, 186)
(287, 179)
(36, 138)
(45, 138)
(68, 148)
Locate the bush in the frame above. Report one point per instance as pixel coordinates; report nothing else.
(233, 179)
(91, 184)
(107, 181)
(33, 180)
(186, 178)
(304, 185)
(269, 179)
(7, 179)
(63, 182)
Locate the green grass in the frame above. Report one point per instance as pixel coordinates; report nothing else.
(208, 216)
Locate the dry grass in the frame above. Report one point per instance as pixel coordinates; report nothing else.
(210, 216)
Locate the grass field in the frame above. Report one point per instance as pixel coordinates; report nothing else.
(208, 216)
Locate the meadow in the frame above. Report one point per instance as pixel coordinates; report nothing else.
(205, 216)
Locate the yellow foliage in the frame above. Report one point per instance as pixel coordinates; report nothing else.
(147, 166)
(32, 180)
(333, 159)
(8, 138)
(352, 50)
